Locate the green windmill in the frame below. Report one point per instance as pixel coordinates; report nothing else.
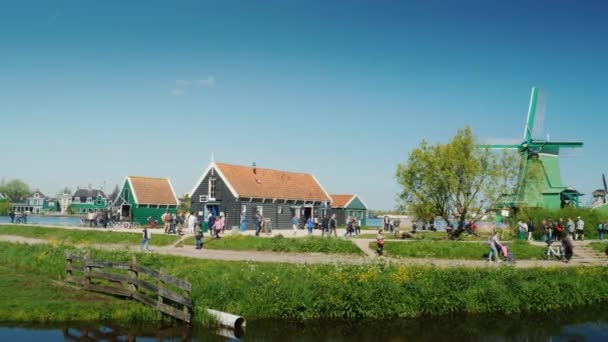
(539, 180)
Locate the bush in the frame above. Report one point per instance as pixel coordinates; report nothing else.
(455, 250)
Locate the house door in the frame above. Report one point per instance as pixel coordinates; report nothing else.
(125, 212)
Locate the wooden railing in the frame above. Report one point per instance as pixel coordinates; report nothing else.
(125, 280)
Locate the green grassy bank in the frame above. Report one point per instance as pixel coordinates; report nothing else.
(313, 244)
(80, 236)
(258, 290)
(455, 249)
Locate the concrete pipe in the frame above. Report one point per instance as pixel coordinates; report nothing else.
(227, 320)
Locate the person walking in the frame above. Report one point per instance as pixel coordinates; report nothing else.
(217, 227)
(258, 223)
(357, 226)
(550, 227)
(199, 239)
(522, 229)
(380, 242)
(325, 225)
(493, 243)
(191, 223)
(12, 215)
(294, 224)
(166, 219)
(309, 224)
(333, 223)
(530, 229)
(387, 222)
(570, 226)
(600, 230)
(145, 241)
(580, 229)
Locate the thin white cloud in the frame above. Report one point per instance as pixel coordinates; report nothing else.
(182, 85)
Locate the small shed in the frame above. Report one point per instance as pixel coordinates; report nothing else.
(143, 197)
(348, 205)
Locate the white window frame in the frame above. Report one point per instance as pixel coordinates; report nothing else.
(260, 209)
(212, 194)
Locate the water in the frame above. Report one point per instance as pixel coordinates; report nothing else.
(48, 220)
(582, 324)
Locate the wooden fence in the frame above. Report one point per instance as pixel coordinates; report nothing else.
(125, 280)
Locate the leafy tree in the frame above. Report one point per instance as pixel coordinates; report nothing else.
(15, 189)
(455, 180)
(185, 204)
(5, 206)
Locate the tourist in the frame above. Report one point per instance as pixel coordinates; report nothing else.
(310, 224)
(258, 223)
(145, 241)
(568, 247)
(172, 224)
(191, 223)
(550, 228)
(294, 224)
(522, 229)
(333, 224)
(493, 243)
(570, 226)
(12, 215)
(325, 225)
(559, 229)
(357, 223)
(165, 219)
(580, 229)
(380, 242)
(530, 229)
(349, 226)
(600, 230)
(387, 222)
(218, 226)
(199, 239)
(90, 219)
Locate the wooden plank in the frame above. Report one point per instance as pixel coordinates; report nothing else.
(74, 280)
(74, 257)
(70, 268)
(166, 278)
(109, 264)
(109, 290)
(110, 276)
(165, 293)
(164, 308)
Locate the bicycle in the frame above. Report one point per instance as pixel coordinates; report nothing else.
(549, 251)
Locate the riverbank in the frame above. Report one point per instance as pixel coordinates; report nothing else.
(307, 292)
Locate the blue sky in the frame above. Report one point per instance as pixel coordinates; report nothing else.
(93, 91)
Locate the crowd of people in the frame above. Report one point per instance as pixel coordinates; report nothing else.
(551, 230)
(20, 217)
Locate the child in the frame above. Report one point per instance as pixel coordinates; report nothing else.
(146, 236)
(199, 239)
(380, 242)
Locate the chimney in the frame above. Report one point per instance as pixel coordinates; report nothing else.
(254, 169)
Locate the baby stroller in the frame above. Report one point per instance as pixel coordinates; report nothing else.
(505, 254)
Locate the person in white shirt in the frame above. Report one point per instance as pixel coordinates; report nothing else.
(191, 223)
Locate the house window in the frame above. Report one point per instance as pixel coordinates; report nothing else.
(212, 188)
(280, 210)
(243, 209)
(89, 200)
(260, 210)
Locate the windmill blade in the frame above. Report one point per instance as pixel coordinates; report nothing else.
(531, 113)
(539, 117)
(604, 179)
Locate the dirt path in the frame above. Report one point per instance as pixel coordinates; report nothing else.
(317, 258)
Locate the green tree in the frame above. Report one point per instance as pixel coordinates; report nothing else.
(455, 180)
(5, 206)
(15, 189)
(185, 203)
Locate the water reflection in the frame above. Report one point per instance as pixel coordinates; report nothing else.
(583, 324)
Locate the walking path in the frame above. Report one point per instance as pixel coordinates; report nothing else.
(320, 258)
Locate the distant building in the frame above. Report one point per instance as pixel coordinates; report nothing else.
(35, 203)
(143, 197)
(88, 200)
(65, 199)
(348, 205)
(238, 192)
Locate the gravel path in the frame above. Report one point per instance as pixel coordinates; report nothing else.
(318, 258)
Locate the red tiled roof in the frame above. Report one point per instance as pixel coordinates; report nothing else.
(340, 201)
(153, 190)
(267, 183)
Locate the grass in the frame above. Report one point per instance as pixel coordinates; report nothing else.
(600, 247)
(80, 236)
(308, 292)
(27, 296)
(279, 243)
(455, 250)
(437, 236)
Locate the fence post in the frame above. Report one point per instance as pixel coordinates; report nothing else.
(161, 299)
(87, 274)
(133, 275)
(186, 309)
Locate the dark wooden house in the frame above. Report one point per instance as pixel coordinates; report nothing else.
(348, 205)
(237, 192)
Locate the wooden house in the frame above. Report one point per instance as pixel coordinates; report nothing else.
(142, 197)
(239, 191)
(348, 205)
(88, 200)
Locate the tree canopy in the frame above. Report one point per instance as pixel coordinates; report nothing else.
(456, 180)
(15, 189)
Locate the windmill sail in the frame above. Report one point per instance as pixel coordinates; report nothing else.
(539, 117)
